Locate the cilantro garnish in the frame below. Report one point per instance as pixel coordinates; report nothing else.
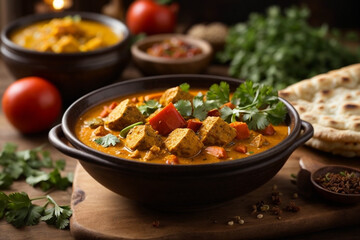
(107, 140)
(219, 93)
(202, 107)
(149, 107)
(184, 87)
(184, 107)
(19, 210)
(257, 105)
(17, 164)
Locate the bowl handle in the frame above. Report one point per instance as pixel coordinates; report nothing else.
(59, 141)
(306, 132)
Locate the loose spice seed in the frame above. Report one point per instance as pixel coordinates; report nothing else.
(230, 223)
(156, 223)
(241, 222)
(260, 216)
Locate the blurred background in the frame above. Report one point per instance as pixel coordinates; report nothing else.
(335, 13)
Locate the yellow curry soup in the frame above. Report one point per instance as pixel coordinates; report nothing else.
(192, 148)
(65, 35)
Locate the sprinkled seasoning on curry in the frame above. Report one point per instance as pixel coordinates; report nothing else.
(183, 126)
(65, 35)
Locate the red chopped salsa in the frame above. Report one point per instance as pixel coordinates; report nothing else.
(173, 48)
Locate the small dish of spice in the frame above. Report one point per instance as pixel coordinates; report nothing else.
(337, 183)
(343, 182)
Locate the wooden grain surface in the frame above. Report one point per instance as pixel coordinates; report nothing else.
(42, 231)
(123, 219)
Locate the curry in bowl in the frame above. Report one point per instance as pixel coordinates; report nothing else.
(187, 126)
(65, 35)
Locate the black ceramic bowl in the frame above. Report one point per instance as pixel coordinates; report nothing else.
(174, 186)
(73, 73)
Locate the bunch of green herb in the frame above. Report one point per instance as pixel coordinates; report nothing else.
(280, 49)
(256, 104)
(28, 164)
(19, 210)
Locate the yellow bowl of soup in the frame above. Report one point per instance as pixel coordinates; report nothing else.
(198, 178)
(77, 51)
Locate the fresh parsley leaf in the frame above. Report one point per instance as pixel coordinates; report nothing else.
(184, 107)
(200, 110)
(60, 164)
(267, 48)
(107, 140)
(226, 113)
(257, 105)
(37, 177)
(58, 215)
(219, 93)
(185, 87)
(149, 107)
(19, 211)
(4, 199)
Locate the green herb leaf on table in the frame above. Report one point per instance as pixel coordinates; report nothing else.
(184, 107)
(19, 211)
(107, 140)
(17, 164)
(58, 215)
(149, 107)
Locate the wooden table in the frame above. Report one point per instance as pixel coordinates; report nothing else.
(42, 231)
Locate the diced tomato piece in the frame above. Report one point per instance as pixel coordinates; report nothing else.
(240, 148)
(113, 105)
(268, 131)
(229, 104)
(171, 159)
(166, 120)
(242, 130)
(216, 151)
(214, 113)
(194, 125)
(105, 112)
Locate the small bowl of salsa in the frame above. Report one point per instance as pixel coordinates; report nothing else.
(171, 54)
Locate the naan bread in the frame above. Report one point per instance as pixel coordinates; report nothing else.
(331, 102)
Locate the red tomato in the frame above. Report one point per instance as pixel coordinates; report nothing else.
(31, 104)
(149, 17)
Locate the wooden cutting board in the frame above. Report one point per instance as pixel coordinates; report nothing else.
(99, 213)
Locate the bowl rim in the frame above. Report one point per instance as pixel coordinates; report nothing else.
(249, 161)
(31, 19)
(204, 45)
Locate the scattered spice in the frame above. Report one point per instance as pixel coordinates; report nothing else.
(260, 216)
(295, 195)
(291, 207)
(276, 197)
(156, 223)
(230, 223)
(343, 182)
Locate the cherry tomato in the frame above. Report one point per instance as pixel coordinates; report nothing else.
(150, 17)
(31, 104)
